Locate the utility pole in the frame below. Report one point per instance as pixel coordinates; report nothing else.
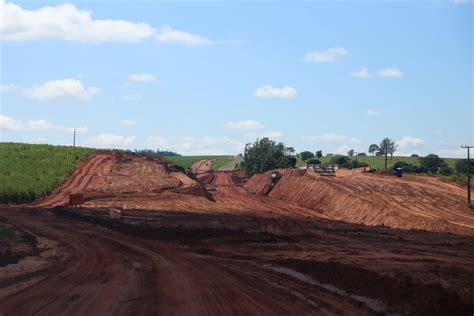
(468, 175)
(74, 139)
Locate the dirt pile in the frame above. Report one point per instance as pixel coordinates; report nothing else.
(412, 202)
(126, 180)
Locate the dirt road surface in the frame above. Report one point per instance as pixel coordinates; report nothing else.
(202, 166)
(195, 264)
(233, 164)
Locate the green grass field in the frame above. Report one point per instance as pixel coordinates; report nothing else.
(187, 161)
(379, 162)
(28, 172)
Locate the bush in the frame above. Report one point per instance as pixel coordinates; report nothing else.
(291, 161)
(446, 170)
(264, 155)
(340, 160)
(432, 163)
(461, 166)
(313, 161)
(407, 167)
(305, 155)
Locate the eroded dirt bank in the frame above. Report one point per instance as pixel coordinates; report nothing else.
(184, 264)
(372, 199)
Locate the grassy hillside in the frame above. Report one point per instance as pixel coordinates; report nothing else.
(187, 161)
(379, 162)
(28, 172)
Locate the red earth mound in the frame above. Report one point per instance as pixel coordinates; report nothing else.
(412, 202)
(121, 177)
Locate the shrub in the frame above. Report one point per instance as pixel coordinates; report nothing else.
(314, 161)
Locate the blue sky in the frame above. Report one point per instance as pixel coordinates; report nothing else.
(208, 77)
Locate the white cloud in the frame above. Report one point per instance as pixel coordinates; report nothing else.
(196, 145)
(156, 142)
(452, 153)
(9, 124)
(408, 141)
(132, 97)
(40, 125)
(66, 22)
(60, 89)
(371, 112)
(329, 55)
(332, 138)
(111, 140)
(363, 73)
(168, 35)
(9, 88)
(141, 77)
(342, 150)
(128, 122)
(243, 125)
(390, 72)
(269, 92)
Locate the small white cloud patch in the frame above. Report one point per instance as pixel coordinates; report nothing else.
(269, 92)
(390, 72)
(327, 56)
(167, 35)
(60, 89)
(408, 141)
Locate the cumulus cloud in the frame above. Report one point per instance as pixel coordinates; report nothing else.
(331, 138)
(408, 141)
(363, 73)
(196, 145)
(9, 88)
(110, 140)
(327, 56)
(273, 134)
(60, 89)
(141, 77)
(168, 35)
(342, 150)
(128, 122)
(243, 125)
(386, 72)
(11, 124)
(269, 92)
(68, 23)
(390, 72)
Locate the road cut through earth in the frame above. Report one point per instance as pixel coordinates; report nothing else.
(223, 244)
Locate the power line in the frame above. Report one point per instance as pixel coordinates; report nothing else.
(469, 204)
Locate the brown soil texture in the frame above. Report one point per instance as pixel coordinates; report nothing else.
(411, 202)
(119, 176)
(185, 263)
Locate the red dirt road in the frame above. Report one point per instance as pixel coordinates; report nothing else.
(202, 264)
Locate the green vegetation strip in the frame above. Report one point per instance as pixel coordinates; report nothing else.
(187, 161)
(378, 162)
(28, 172)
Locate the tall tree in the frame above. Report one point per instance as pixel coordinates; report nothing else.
(319, 153)
(373, 149)
(264, 155)
(386, 147)
(351, 152)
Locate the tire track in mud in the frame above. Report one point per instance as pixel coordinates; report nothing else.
(104, 272)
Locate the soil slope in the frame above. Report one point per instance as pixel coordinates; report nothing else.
(371, 199)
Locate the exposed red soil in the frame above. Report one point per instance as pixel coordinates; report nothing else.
(119, 176)
(411, 202)
(202, 166)
(185, 263)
